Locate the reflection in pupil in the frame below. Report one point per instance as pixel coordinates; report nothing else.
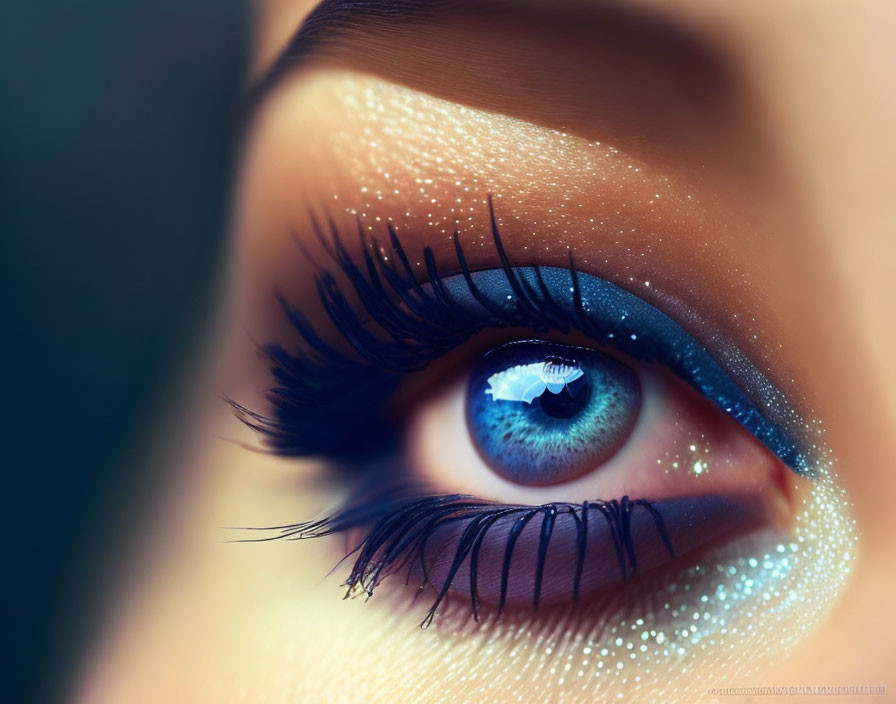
(570, 401)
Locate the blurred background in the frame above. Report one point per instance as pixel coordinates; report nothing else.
(117, 129)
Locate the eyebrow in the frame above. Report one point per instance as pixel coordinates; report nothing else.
(332, 21)
(643, 63)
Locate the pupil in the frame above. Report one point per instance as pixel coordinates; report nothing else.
(569, 402)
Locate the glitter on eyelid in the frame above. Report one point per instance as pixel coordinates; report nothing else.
(748, 603)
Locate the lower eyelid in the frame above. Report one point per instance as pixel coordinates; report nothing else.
(689, 523)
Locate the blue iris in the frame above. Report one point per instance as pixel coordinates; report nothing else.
(543, 413)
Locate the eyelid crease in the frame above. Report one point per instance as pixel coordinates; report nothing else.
(324, 398)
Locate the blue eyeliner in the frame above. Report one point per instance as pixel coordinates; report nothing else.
(329, 403)
(610, 315)
(539, 413)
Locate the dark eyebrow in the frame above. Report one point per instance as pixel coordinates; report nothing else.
(332, 21)
(655, 84)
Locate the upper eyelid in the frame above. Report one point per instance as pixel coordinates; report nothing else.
(531, 301)
(391, 155)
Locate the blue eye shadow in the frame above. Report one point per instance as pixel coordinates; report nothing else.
(332, 404)
(611, 315)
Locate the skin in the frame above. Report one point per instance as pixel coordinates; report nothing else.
(775, 220)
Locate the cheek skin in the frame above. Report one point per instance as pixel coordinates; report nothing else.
(262, 621)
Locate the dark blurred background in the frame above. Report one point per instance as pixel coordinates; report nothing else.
(116, 145)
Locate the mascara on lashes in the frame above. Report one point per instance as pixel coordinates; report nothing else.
(496, 556)
(325, 402)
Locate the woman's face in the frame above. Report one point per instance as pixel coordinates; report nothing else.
(577, 326)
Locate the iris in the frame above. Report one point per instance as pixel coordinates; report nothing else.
(543, 413)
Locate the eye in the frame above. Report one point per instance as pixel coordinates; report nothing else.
(544, 414)
(628, 471)
(554, 468)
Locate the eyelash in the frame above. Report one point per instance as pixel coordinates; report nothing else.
(399, 525)
(332, 405)
(323, 399)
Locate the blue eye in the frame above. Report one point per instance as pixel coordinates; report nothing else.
(542, 413)
(539, 414)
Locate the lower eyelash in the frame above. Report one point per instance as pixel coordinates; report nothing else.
(403, 531)
(400, 537)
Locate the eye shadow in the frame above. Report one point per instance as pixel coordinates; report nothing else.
(611, 315)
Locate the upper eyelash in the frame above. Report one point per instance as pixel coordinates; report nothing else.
(320, 377)
(398, 528)
(429, 311)
(324, 399)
